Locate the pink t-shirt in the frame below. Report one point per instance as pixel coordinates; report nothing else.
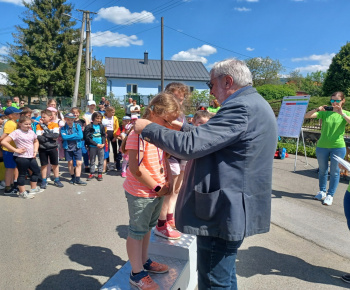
(24, 140)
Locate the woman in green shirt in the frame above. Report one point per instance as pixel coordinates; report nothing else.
(214, 106)
(330, 143)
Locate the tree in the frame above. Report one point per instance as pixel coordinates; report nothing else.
(264, 70)
(196, 99)
(295, 79)
(338, 74)
(43, 57)
(312, 83)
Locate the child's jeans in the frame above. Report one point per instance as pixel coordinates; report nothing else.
(99, 152)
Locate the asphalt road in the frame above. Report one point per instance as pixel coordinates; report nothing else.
(74, 237)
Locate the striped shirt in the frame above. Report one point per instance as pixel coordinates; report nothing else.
(151, 163)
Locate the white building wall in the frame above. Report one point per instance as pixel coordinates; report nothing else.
(144, 87)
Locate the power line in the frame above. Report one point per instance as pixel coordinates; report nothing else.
(159, 8)
(215, 45)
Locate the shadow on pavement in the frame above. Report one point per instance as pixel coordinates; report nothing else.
(262, 261)
(122, 231)
(101, 261)
(280, 194)
(312, 173)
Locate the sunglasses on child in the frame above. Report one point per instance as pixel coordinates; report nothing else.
(337, 101)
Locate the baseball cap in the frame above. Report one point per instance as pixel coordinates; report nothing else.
(12, 110)
(69, 115)
(190, 116)
(134, 117)
(52, 109)
(126, 118)
(91, 103)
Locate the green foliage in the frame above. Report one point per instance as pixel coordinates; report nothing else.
(312, 83)
(295, 79)
(4, 67)
(264, 70)
(196, 99)
(43, 58)
(291, 149)
(275, 92)
(338, 74)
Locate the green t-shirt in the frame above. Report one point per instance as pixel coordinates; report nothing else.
(213, 110)
(332, 130)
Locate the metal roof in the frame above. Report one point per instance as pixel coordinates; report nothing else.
(173, 70)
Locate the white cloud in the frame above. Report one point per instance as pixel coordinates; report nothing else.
(3, 50)
(242, 9)
(108, 38)
(250, 48)
(195, 54)
(16, 2)
(121, 15)
(323, 62)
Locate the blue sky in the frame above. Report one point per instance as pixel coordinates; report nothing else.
(301, 34)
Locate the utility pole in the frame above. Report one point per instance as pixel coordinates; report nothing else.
(162, 56)
(88, 61)
(77, 73)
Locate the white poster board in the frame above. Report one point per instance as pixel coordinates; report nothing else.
(291, 116)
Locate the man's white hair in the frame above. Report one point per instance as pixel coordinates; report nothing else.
(235, 68)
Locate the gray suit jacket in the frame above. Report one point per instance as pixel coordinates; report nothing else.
(226, 191)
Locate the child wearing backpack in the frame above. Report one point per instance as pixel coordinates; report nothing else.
(48, 132)
(72, 136)
(95, 138)
(148, 179)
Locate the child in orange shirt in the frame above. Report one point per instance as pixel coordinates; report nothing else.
(148, 179)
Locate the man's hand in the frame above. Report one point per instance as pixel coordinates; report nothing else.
(100, 145)
(164, 191)
(140, 124)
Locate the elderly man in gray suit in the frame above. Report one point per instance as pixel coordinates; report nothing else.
(226, 193)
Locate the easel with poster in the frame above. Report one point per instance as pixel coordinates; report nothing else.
(290, 120)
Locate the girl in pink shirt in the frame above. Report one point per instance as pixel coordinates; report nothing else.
(148, 179)
(25, 155)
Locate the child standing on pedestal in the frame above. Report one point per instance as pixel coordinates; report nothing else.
(148, 179)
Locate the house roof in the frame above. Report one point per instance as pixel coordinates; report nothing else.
(173, 70)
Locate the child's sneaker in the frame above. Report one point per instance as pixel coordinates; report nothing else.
(143, 281)
(99, 177)
(155, 267)
(43, 185)
(36, 190)
(167, 232)
(10, 191)
(80, 182)
(124, 174)
(91, 177)
(25, 195)
(58, 183)
(172, 223)
(72, 181)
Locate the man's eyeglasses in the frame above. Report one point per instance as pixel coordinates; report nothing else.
(209, 84)
(337, 101)
(166, 121)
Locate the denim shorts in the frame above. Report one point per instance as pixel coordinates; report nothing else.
(77, 154)
(9, 161)
(143, 214)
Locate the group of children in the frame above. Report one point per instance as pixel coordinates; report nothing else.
(24, 136)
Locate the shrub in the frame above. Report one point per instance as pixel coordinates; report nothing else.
(275, 92)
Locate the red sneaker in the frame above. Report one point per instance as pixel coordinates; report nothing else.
(91, 177)
(124, 174)
(154, 267)
(143, 281)
(99, 177)
(167, 232)
(172, 223)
